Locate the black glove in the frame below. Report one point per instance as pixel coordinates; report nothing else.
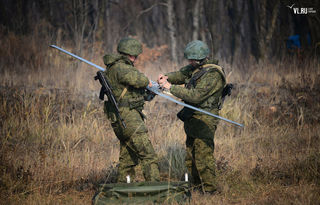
(227, 90)
(149, 95)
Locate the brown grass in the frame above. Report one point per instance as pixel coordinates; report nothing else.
(57, 145)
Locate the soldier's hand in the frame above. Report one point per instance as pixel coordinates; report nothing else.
(165, 85)
(162, 78)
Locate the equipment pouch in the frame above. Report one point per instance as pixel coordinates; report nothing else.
(133, 104)
(110, 112)
(149, 95)
(185, 114)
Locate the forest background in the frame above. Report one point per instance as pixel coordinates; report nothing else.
(57, 145)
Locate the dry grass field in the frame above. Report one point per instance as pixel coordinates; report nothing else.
(56, 144)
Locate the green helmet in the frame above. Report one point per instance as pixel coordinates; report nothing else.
(196, 50)
(130, 46)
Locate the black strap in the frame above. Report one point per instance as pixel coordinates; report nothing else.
(195, 77)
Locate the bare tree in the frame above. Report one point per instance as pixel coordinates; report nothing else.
(212, 12)
(233, 29)
(79, 22)
(266, 29)
(235, 15)
(196, 19)
(262, 27)
(93, 30)
(172, 30)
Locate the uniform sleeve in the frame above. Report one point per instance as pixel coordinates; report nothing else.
(129, 75)
(179, 77)
(210, 83)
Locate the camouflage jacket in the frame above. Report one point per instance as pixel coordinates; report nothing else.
(205, 92)
(126, 81)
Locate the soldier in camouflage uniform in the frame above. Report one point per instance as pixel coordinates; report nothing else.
(204, 82)
(128, 86)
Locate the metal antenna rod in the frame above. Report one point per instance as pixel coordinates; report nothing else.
(154, 88)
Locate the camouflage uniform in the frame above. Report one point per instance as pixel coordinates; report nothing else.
(128, 86)
(205, 92)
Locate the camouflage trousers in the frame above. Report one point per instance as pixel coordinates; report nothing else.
(200, 161)
(135, 148)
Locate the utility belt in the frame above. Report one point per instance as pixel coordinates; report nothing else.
(138, 105)
(134, 105)
(110, 111)
(131, 103)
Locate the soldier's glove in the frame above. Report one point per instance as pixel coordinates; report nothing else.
(149, 95)
(227, 90)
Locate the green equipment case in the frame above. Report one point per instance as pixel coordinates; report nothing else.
(143, 193)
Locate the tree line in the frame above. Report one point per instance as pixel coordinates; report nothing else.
(234, 30)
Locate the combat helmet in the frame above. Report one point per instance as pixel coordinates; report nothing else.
(196, 50)
(129, 46)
